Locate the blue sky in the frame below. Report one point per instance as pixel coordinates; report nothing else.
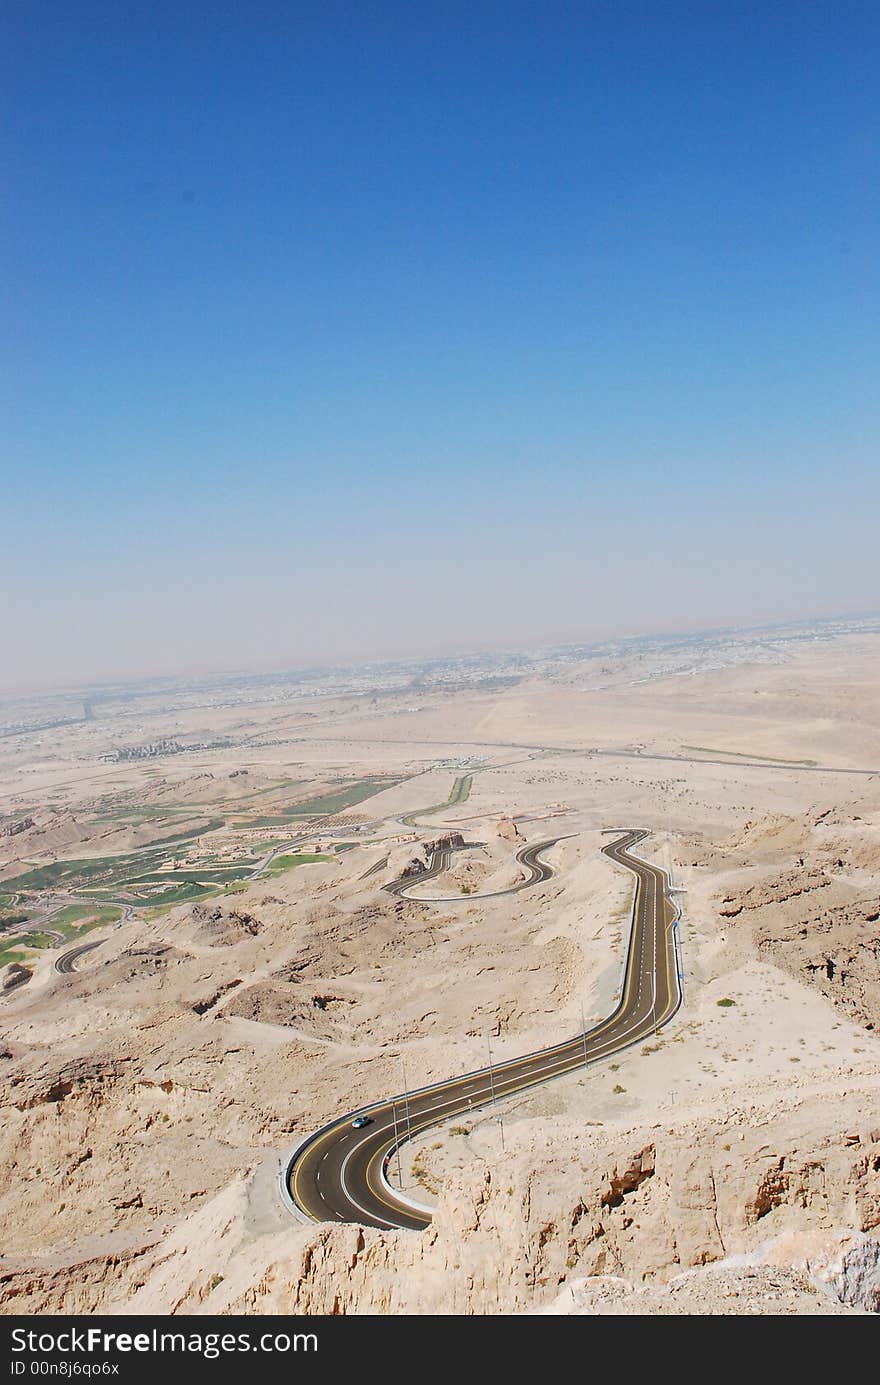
(560, 319)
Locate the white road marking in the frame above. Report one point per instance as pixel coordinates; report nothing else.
(520, 1080)
(369, 1215)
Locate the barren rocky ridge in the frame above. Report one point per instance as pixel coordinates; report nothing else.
(731, 1166)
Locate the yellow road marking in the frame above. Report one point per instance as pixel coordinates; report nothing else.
(527, 1080)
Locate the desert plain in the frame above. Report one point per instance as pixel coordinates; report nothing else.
(201, 965)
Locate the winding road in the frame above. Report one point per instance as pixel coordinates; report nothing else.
(527, 856)
(341, 1172)
(64, 963)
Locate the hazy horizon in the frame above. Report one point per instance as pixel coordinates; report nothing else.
(335, 335)
(417, 656)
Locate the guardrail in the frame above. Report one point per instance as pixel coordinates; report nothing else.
(287, 1164)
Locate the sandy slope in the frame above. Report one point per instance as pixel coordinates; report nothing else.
(731, 1166)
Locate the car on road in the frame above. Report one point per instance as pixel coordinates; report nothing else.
(360, 1121)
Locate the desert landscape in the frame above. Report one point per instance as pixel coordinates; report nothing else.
(202, 965)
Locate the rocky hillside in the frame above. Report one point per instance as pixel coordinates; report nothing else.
(764, 1210)
(818, 917)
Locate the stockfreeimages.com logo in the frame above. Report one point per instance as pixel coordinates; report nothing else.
(95, 1341)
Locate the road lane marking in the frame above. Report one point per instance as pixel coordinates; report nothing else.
(555, 1061)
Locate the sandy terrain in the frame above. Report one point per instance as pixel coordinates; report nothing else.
(731, 1166)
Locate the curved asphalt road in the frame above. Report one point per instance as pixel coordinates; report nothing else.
(339, 1173)
(64, 963)
(526, 856)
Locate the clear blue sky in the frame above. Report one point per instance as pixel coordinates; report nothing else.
(349, 329)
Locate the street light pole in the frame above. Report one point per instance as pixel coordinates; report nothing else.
(406, 1099)
(396, 1142)
(654, 967)
(492, 1087)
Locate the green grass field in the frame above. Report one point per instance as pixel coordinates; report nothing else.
(459, 793)
(211, 826)
(11, 954)
(193, 874)
(346, 797)
(179, 894)
(276, 820)
(102, 878)
(259, 849)
(72, 922)
(35, 940)
(137, 816)
(285, 863)
(71, 918)
(108, 873)
(323, 805)
(461, 789)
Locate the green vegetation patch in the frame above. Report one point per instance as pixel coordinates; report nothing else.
(73, 921)
(59, 873)
(177, 894)
(260, 849)
(346, 797)
(725, 1002)
(211, 826)
(138, 816)
(285, 863)
(112, 873)
(275, 820)
(193, 874)
(164, 900)
(9, 917)
(35, 941)
(459, 793)
(461, 789)
(73, 917)
(9, 954)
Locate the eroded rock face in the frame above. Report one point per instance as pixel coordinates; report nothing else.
(714, 1292)
(79, 1284)
(89, 1078)
(16, 975)
(212, 1057)
(857, 1281)
(789, 886)
(223, 927)
(622, 1181)
(820, 929)
(645, 1215)
(286, 1003)
(652, 1207)
(13, 829)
